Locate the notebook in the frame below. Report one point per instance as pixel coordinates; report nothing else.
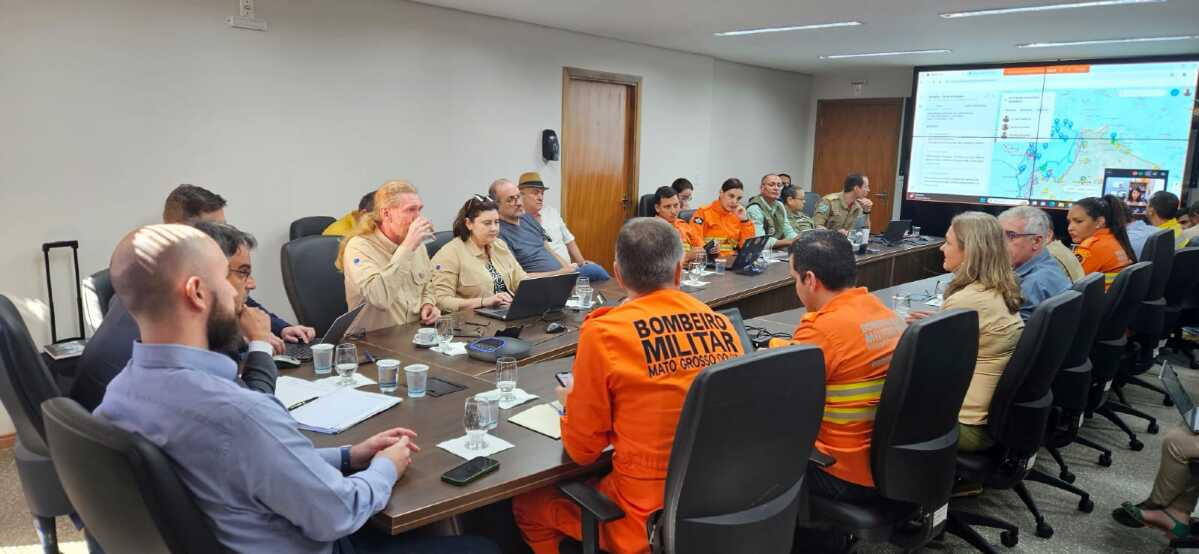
(541, 418)
(341, 409)
(294, 392)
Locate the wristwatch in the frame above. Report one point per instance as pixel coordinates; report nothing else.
(345, 459)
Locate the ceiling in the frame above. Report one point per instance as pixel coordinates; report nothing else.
(889, 25)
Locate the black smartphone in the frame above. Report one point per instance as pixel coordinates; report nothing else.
(565, 378)
(470, 470)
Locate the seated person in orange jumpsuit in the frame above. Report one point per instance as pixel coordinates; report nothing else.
(666, 205)
(857, 334)
(725, 220)
(634, 365)
(1097, 227)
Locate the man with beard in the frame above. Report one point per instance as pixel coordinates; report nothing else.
(108, 350)
(261, 483)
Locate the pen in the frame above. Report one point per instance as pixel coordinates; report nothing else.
(369, 357)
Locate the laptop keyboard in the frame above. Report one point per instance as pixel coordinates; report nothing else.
(298, 350)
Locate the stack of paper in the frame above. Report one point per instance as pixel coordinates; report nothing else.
(341, 409)
(542, 418)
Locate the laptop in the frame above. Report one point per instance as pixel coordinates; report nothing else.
(749, 252)
(734, 316)
(1179, 395)
(336, 332)
(535, 297)
(896, 230)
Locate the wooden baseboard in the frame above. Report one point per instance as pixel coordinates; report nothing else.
(6, 441)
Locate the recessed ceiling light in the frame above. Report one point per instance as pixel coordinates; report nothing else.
(873, 54)
(793, 28)
(1050, 7)
(1106, 41)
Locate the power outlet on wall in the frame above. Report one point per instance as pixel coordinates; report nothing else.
(246, 20)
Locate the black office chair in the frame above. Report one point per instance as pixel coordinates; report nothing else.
(1180, 299)
(685, 215)
(25, 383)
(914, 443)
(309, 226)
(810, 201)
(645, 206)
(1110, 350)
(315, 288)
(1016, 420)
(1147, 327)
(736, 472)
(1072, 384)
(124, 487)
(440, 238)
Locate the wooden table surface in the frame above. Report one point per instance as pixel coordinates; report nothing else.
(420, 497)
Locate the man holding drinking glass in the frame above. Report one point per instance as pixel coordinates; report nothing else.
(634, 365)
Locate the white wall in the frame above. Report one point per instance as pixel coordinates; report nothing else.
(106, 106)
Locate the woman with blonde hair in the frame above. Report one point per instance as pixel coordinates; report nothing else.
(476, 269)
(385, 261)
(983, 281)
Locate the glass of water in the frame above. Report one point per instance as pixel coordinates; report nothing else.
(445, 333)
(346, 363)
(582, 292)
(505, 378)
(389, 375)
(322, 358)
(475, 422)
(901, 304)
(720, 262)
(492, 405)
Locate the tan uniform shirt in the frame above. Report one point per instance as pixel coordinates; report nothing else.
(1069, 261)
(831, 212)
(460, 273)
(393, 281)
(998, 332)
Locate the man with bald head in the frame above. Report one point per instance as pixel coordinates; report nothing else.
(770, 215)
(261, 483)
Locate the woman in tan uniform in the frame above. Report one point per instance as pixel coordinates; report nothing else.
(385, 261)
(983, 281)
(476, 269)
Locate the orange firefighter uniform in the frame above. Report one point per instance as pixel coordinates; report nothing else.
(713, 222)
(1102, 252)
(634, 365)
(857, 334)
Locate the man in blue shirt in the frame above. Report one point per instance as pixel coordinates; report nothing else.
(258, 479)
(528, 240)
(1028, 231)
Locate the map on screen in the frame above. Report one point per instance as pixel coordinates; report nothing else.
(1049, 135)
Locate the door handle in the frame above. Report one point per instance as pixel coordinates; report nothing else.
(624, 201)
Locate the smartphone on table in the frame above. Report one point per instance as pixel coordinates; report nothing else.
(470, 470)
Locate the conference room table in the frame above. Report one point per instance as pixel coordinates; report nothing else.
(536, 461)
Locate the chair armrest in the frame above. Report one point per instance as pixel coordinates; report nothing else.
(591, 501)
(821, 459)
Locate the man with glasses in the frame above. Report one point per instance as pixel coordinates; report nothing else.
(524, 235)
(1027, 232)
(109, 349)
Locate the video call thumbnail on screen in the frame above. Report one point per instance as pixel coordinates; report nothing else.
(1048, 135)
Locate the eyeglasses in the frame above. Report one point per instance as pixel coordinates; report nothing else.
(1012, 235)
(245, 273)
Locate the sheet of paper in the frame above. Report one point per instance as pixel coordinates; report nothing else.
(341, 409)
(292, 391)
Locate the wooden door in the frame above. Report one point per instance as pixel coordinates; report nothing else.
(599, 158)
(859, 136)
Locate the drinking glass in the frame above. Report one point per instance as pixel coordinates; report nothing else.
(445, 333)
(389, 375)
(901, 304)
(505, 378)
(322, 358)
(346, 363)
(492, 403)
(416, 377)
(697, 270)
(700, 256)
(582, 292)
(720, 262)
(475, 421)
